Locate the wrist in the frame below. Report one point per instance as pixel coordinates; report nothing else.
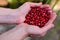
(9, 15)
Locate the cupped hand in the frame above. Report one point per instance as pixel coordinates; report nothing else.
(17, 33)
(24, 9)
(35, 30)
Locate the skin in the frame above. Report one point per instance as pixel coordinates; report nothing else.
(9, 15)
(22, 30)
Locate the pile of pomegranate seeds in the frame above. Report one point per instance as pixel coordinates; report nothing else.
(37, 16)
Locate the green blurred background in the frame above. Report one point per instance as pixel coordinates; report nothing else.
(53, 34)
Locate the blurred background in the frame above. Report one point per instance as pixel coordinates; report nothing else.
(53, 34)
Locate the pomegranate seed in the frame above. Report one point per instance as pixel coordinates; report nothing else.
(37, 16)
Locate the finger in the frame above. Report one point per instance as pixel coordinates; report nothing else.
(33, 29)
(35, 4)
(47, 27)
(38, 35)
(37, 30)
(48, 6)
(52, 26)
(43, 34)
(53, 14)
(53, 17)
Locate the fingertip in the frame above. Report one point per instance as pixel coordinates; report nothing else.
(52, 25)
(46, 5)
(47, 27)
(54, 13)
(43, 34)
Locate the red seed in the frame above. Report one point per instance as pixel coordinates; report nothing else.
(37, 16)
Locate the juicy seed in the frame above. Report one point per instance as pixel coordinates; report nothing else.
(37, 16)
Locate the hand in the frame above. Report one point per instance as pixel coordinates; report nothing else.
(21, 31)
(35, 29)
(17, 33)
(15, 15)
(24, 9)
